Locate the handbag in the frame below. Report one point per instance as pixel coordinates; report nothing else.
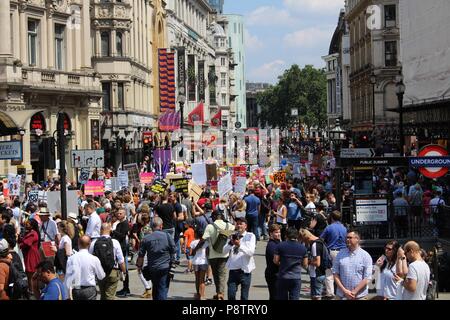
(432, 290)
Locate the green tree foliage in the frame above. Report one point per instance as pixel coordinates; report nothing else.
(304, 89)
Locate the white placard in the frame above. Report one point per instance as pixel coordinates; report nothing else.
(33, 196)
(54, 201)
(225, 185)
(122, 175)
(87, 158)
(240, 185)
(108, 185)
(43, 196)
(14, 184)
(84, 175)
(371, 210)
(199, 173)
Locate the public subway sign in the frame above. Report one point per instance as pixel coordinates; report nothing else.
(371, 210)
(433, 161)
(11, 150)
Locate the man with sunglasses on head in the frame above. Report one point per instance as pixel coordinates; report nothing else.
(352, 270)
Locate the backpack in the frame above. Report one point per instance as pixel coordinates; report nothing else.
(326, 261)
(222, 238)
(104, 251)
(17, 283)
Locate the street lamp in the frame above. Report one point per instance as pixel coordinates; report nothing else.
(400, 91)
(181, 101)
(373, 81)
(338, 135)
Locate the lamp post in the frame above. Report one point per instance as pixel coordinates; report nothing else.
(400, 91)
(373, 81)
(338, 135)
(62, 163)
(181, 102)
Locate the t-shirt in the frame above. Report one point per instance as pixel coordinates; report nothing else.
(293, 211)
(419, 271)
(335, 236)
(200, 254)
(189, 235)
(316, 251)
(388, 285)
(210, 234)
(291, 257)
(55, 290)
(271, 268)
(252, 205)
(65, 239)
(16, 213)
(165, 212)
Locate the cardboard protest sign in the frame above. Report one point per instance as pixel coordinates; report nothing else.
(211, 172)
(159, 186)
(240, 185)
(279, 177)
(147, 177)
(84, 175)
(94, 188)
(195, 191)
(225, 185)
(181, 185)
(199, 173)
(122, 175)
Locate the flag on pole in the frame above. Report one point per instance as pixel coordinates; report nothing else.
(196, 114)
(216, 121)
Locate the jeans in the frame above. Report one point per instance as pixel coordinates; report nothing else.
(253, 225)
(219, 272)
(177, 250)
(160, 280)
(85, 293)
(236, 278)
(271, 280)
(171, 232)
(262, 224)
(289, 289)
(317, 285)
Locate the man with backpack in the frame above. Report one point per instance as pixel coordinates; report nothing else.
(109, 252)
(82, 270)
(216, 234)
(319, 261)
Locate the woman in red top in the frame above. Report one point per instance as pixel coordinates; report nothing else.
(30, 249)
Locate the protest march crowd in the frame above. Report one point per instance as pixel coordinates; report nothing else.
(213, 228)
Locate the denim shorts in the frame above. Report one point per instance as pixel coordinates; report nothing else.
(317, 285)
(200, 267)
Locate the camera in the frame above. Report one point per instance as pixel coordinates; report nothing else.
(236, 236)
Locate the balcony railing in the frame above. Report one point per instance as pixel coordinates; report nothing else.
(60, 78)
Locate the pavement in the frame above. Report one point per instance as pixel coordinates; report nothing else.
(183, 285)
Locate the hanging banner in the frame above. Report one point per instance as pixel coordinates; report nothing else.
(147, 177)
(181, 69)
(201, 80)
(159, 186)
(191, 78)
(212, 84)
(181, 185)
(94, 188)
(84, 175)
(166, 80)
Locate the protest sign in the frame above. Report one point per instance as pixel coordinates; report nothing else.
(181, 185)
(240, 185)
(211, 172)
(94, 188)
(33, 196)
(133, 174)
(159, 186)
(225, 185)
(84, 175)
(122, 175)
(195, 191)
(147, 177)
(42, 196)
(199, 173)
(14, 184)
(279, 177)
(108, 185)
(54, 201)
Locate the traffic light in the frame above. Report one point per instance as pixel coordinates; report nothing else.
(48, 151)
(147, 144)
(363, 141)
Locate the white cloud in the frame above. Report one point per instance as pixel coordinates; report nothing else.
(309, 38)
(319, 6)
(269, 16)
(268, 72)
(252, 43)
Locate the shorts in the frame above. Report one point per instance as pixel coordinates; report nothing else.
(317, 285)
(200, 267)
(188, 256)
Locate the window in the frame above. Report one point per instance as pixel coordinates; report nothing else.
(229, 42)
(224, 99)
(240, 57)
(105, 44)
(120, 99)
(222, 61)
(223, 79)
(119, 45)
(32, 42)
(59, 46)
(221, 42)
(235, 28)
(390, 13)
(106, 89)
(390, 53)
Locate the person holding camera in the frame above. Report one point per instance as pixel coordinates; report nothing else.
(160, 249)
(240, 263)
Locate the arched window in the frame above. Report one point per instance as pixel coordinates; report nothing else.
(105, 44)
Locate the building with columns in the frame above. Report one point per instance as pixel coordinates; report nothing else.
(374, 47)
(45, 68)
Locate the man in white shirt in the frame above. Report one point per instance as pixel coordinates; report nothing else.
(94, 224)
(416, 274)
(108, 286)
(240, 262)
(48, 229)
(82, 270)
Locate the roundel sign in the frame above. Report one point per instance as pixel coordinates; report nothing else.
(433, 150)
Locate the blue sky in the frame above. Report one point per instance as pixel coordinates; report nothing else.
(280, 33)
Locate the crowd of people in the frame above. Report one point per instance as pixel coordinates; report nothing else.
(45, 257)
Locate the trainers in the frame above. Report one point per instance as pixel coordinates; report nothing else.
(147, 294)
(123, 293)
(208, 282)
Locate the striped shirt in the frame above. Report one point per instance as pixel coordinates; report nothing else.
(352, 268)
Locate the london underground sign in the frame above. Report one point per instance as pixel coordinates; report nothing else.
(433, 161)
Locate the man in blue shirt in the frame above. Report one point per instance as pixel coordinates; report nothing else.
(290, 256)
(252, 212)
(54, 289)
(334, 237)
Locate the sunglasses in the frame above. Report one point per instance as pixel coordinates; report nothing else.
(388, 249)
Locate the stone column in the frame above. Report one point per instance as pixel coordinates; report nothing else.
(23, 37)
(5, 27)
(50, 41)
(86, 36)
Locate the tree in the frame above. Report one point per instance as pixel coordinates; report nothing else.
(304, 89)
